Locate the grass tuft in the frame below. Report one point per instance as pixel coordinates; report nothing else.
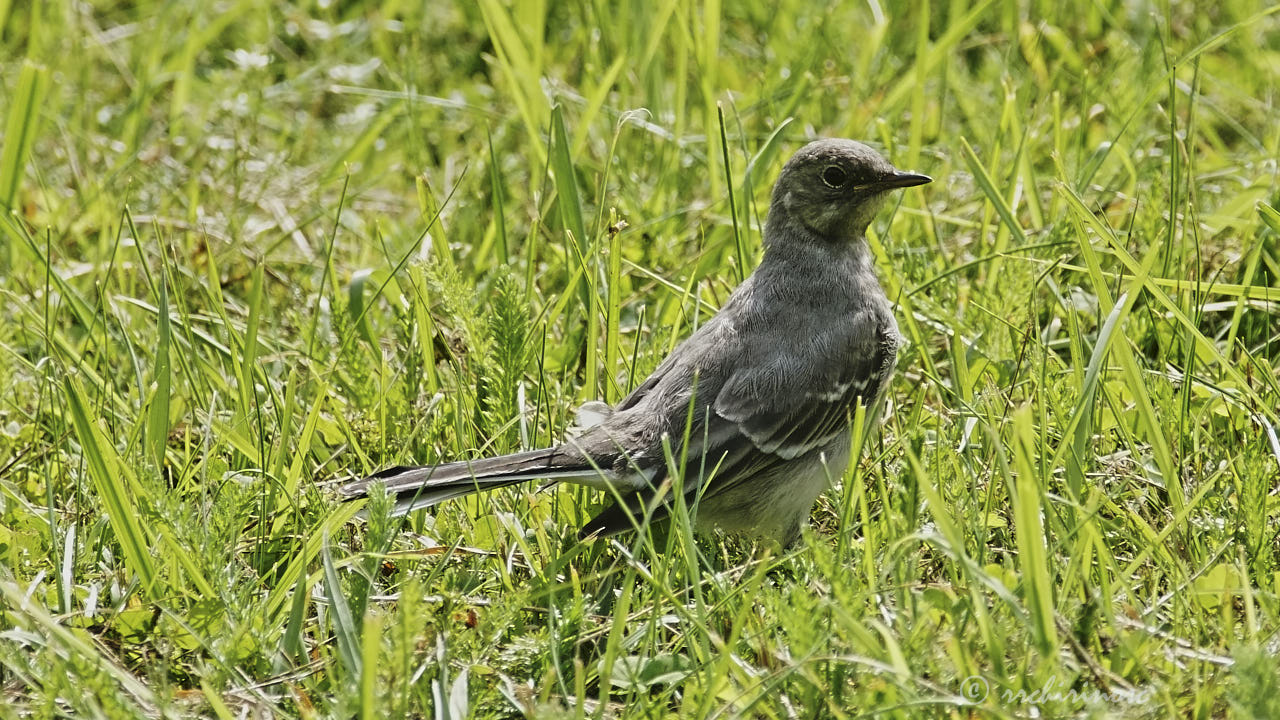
(249, 254)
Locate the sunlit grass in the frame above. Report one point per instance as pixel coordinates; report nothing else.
(248, 253)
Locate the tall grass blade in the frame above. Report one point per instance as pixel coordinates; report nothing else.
(993, 195)
(571, 216)
(291, 642)
(20, 129)
(117, 488)
(344, 625)
(498, 210)
(371, 636)
(1080, 424)
(518, 64)
(1033, 554)
(740, 269)
(162, 377)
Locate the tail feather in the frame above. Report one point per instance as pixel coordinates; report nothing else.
(427, 485)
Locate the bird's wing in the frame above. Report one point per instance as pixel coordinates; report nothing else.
(779, 401)
(728, 457)
(786, 409)
(643, 389)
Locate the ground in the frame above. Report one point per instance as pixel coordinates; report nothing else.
(249, 252)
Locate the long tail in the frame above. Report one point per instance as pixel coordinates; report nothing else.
(427, 485)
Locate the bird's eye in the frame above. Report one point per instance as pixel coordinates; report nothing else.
(833, 176)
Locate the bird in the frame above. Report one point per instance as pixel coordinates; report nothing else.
(758, 402)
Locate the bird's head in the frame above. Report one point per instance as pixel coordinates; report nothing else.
(834, 188)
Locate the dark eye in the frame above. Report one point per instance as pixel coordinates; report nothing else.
(833, 176)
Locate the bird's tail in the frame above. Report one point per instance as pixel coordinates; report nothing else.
(427, 485)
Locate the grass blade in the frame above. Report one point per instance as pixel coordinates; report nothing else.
(20, 129)
(1033, 554)
(344, 625)
(575, 227)
(740, 269)
(162, 377)
(369, 650)
(988, 186)
(498, 207)
(117, 488)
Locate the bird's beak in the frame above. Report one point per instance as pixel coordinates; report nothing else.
(901, 180)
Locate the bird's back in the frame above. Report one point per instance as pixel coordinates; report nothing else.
(781, 365)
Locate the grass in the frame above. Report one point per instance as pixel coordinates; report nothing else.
(251, 252)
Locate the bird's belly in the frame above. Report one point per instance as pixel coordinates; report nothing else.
(776, 504)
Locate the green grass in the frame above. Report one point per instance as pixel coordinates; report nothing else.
(249, 253)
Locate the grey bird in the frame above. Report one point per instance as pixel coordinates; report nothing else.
(764, 391)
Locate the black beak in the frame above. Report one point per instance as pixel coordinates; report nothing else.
(901, 180)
